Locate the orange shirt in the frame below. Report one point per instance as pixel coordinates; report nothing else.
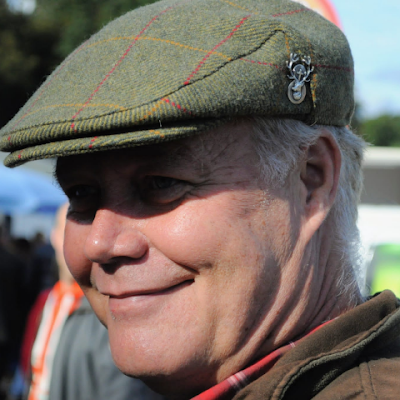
(62, 301)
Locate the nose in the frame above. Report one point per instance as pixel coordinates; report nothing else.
(113, 236)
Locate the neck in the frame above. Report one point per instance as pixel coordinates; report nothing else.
(315, 288)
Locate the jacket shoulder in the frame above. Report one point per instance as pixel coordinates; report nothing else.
(375, 377)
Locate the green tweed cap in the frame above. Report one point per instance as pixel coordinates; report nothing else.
(177, 68)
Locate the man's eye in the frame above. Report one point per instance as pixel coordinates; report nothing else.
(162, 182)
(83, 201)
(162, 189)
(80, 192)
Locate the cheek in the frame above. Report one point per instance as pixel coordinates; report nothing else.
(224, 228)
(191, 235)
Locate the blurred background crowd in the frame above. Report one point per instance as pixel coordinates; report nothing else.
(36, 35)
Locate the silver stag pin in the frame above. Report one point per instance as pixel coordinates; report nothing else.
(300, 74)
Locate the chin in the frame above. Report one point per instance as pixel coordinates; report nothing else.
(146, 355)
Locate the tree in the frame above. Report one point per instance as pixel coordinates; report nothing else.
(382, 131)
(76, 20)
(26, 57)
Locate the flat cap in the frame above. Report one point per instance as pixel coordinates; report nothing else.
(177, 68)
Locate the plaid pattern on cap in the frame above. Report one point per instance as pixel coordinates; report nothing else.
(178, 68)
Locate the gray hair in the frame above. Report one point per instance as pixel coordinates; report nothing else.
(281, 145)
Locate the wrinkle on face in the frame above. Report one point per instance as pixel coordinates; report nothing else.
(228, 235)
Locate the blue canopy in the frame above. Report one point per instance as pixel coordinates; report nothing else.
(24, 191)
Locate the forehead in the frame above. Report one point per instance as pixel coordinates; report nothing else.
(166, 153)
(231, 143)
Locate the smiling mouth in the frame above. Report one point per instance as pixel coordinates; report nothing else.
(152, 292)
(142, 304)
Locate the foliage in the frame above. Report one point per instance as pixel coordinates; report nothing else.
(382, 131)
(31, 46)
(25, 59)
(76, 20)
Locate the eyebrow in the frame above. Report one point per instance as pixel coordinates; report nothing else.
(174, 154)
(64, 174)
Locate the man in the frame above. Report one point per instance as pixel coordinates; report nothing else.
(58, 304)
(12, 312)
(213, 187)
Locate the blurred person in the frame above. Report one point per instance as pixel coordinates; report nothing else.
(22, 247)
(12, 314)
(39, 239)
(44, 265)
(58, 303)
(43, 270)
(213, 185)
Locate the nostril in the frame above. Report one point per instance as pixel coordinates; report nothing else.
(110, 268)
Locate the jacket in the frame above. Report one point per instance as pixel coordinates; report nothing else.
(356, 356)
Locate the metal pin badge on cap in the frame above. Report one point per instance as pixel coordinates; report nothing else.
(300, 71)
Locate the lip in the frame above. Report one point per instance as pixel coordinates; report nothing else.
(148, 292)
(128, 305)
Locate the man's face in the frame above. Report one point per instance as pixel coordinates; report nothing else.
(180, 250)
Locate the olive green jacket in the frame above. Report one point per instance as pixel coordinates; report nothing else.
(356, 356)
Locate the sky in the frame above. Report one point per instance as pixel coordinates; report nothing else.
(373, 30)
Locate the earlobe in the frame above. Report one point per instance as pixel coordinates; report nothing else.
(320, 176)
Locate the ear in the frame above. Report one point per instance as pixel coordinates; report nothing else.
(319, 177)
